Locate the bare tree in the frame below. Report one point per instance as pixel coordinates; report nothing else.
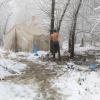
(62, 16)
(59, 12)
(56, 15)
(73, 28)
(52, 16)
(15, 42)
(6, 23)
(4, 18)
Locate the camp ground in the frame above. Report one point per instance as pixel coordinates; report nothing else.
(49, 49)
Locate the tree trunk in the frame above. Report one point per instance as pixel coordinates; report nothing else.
(82, 42)
(60, 22)
(72, 40)
(52, 16)
(5, 27)
(16, 47)
(52, 24)
(62, 16)
(72, 32)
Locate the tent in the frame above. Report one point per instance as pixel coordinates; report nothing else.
(22, 37)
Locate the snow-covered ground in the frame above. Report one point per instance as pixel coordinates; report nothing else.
(71, 85)
(79, 49)
(9, 66)
(76, 85)
(11, 91)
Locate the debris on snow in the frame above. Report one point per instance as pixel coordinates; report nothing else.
(9, 67)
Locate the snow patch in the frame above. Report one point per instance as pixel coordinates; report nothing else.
(78, 85)
(9, 67)
(11, 91)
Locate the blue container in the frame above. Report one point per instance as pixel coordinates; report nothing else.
(35, 47)
(93, 66)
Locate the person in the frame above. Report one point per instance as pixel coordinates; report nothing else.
(54, 44)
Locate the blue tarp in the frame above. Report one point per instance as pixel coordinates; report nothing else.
(35, 49)
(93, 66)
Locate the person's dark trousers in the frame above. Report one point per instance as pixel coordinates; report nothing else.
(53, 56)
(59, 56)
(52, 49)
(56, 49)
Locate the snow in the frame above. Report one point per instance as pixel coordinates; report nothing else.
(78, 85)
(32, 57)
(11, 91)
(73, 84)
(78, 49)
(28, 56)
(9, 67)
(42, 53)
